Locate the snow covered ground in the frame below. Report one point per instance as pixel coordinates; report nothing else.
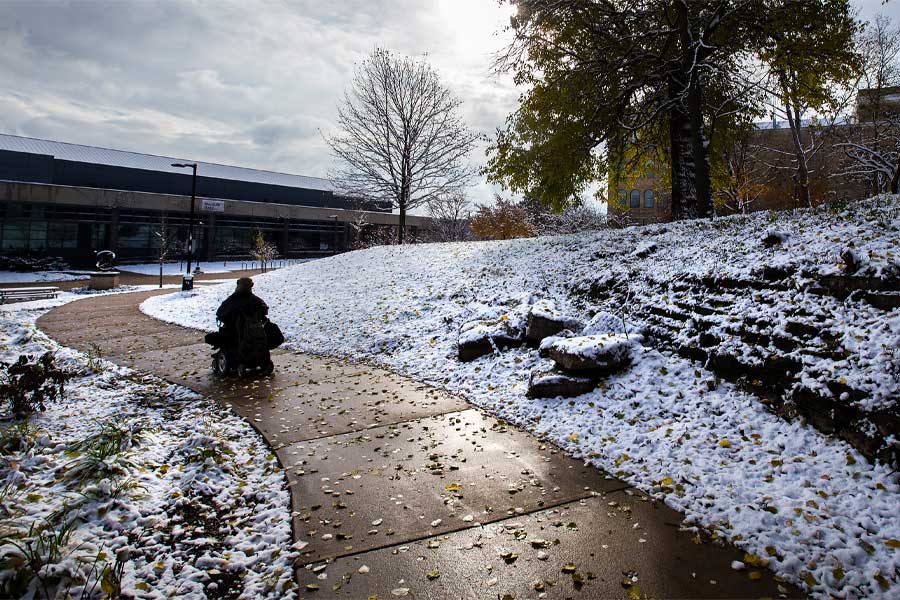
(7, 277)
(152, 490)
(808, 505)
(175, 268)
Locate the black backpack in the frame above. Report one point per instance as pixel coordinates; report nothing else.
(252, 346)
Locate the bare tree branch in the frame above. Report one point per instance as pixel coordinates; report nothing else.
(402, 141)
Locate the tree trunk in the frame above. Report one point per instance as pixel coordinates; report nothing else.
(702, 205)
(401, 223)
(895, 180)
(694, 199)
(680, 153)
(793, 115)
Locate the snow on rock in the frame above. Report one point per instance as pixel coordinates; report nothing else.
(596, 354)
(481, 337)
(545, 382)
(775, 238)
(805, 499)
(604, 322)
(544, 320)
(497, 327)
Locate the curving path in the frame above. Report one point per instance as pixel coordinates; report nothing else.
(402, 490)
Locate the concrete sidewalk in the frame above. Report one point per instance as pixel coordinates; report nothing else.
(402, 490)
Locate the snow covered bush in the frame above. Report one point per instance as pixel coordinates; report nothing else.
(30, 382)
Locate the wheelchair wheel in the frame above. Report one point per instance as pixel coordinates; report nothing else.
(220, 364)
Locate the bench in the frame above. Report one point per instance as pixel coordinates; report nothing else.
(27, 293)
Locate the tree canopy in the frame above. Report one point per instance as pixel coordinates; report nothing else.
(613, 81)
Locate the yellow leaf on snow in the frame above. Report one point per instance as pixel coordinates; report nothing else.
(724, 443)
(574, 437)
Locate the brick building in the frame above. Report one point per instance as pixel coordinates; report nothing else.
(761, 167)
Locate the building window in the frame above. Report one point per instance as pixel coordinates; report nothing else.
(14, 237)
(62, 235)
(648, 199)
(135, 236)
(623, 197)
(635, 199)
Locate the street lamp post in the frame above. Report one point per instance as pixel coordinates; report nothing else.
(334, 241)
(187, 282)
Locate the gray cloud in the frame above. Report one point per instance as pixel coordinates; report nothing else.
(247, 83)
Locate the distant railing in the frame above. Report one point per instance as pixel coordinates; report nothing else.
(278, 263)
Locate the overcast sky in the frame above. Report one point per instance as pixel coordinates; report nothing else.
(238, 82)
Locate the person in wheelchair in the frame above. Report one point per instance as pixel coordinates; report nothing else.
(241, 339)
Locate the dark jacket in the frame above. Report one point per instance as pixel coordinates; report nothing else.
(241, 303)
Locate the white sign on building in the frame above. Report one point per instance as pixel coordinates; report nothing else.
(212, 205)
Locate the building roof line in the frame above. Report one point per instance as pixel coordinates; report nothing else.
(263, 175)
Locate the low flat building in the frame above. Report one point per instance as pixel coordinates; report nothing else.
(70, 201)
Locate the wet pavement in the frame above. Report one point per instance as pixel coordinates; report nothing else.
(403, 490)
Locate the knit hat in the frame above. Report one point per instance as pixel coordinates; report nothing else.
(244, 284)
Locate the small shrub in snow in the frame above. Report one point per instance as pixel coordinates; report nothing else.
(27, 384)
(37, 559)
(102, 454)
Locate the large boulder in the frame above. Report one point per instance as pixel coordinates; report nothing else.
(550, 383)
(604, 322)
(775, 238)
(484, 336)
(544, 320)
(593, 354)
(547, 342)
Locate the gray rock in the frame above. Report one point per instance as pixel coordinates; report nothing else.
(544, 320)
(595, 354)
(482, 337)
(852, 260)
(604, 322)
(547, 342)
(644, 250)
(545, 383)
(775, 238)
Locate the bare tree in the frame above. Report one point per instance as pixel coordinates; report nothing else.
(402, 141)
(164, 242)
(574, 219)
(746, 177)
(873, 146)
(450, 217)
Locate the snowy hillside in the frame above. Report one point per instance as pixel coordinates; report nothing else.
(762, 401)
